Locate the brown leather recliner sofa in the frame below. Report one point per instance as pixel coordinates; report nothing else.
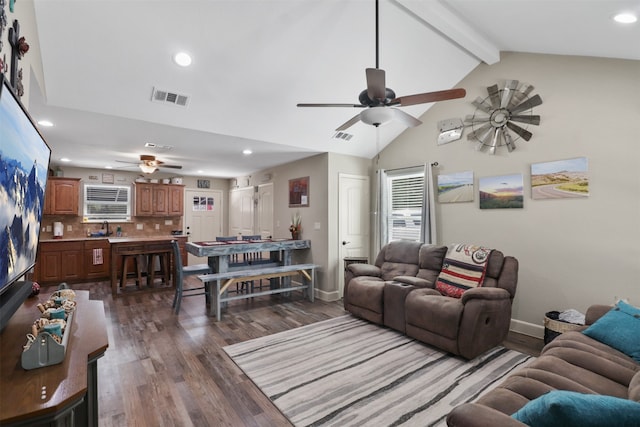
(572, 362)
(398, 291)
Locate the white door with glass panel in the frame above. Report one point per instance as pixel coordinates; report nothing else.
(203, 212)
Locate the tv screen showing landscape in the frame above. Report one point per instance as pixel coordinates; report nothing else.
(24, 163)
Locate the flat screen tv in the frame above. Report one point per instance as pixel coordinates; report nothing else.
(24, 163)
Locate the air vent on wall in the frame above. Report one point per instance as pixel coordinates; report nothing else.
(166, 97)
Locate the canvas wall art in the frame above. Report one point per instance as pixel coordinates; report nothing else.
(560, 179)
(299, 192)
(501, 192)
(455, 187)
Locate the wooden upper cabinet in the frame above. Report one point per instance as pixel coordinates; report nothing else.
(144, 199)
(159, 199)
(61, 197)
(176, 200)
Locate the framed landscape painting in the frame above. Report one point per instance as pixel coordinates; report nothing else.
(502, 192)
(455, 187)
(560, 179)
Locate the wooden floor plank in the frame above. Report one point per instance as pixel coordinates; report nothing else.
(163, 369)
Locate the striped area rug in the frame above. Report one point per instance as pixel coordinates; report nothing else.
(349, 372)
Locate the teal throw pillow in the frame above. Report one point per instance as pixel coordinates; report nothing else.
(619, 328)
(560, 408)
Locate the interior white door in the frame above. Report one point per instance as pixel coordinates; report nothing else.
(241, 211)
(202, 218)
(264, 210)
(353, 219)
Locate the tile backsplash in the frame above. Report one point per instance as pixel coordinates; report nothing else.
(139, 227)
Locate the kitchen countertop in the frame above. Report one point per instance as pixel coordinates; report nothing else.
(112, 239)
(142, 239)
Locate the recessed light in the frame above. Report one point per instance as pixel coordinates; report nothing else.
(183, 59)
(246, 152)
(625, 18)
(108, 167)
(200, 171)
(45, 123)
(65, 159)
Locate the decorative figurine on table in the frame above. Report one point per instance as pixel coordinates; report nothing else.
(296, 226)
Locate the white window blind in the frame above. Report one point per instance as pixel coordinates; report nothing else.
(106, 203)
(406, 194)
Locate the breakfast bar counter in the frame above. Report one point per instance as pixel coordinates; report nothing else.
(127, 247)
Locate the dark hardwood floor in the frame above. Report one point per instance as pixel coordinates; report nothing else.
(163, 369)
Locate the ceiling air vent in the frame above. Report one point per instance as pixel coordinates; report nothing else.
(343, 135)
(158, 147)
(166, 97)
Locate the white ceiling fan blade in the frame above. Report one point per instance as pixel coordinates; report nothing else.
(352, 121)
(406, 119)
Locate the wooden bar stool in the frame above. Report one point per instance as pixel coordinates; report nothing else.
(138, 272)
(164, 259)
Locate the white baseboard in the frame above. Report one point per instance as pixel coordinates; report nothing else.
(526, 328)
(326, 296)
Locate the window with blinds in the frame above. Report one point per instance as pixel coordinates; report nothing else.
(406, 193)
(106, 203)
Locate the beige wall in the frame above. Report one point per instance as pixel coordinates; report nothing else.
(31, 63)
(322, 170)
(572, 253)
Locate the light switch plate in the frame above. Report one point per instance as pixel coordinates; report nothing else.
(316, 226)
(139, 226)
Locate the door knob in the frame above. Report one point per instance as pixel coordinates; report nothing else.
(344, 242)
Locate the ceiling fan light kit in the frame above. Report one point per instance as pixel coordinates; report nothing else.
(147, 168)
(378, 100)
(149, 164)
(500, 114)
(376, 116)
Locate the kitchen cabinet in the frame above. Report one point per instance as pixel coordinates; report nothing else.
(96, 263)
(176, 200)
(159, 199)
(61, 196)
(59, 262)
(74, 261)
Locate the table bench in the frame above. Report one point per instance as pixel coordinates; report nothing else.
(306, 271)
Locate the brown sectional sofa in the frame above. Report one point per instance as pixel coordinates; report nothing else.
(572, 362)
(398, 291)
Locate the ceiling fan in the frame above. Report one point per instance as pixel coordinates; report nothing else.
(149, 164)
(380, 101)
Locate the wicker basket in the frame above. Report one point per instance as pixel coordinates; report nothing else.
(554, 327)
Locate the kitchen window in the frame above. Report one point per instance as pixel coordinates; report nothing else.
(106, 203)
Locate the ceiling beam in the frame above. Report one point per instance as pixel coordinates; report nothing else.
(438, 16)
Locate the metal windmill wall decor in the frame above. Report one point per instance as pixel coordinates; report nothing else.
(496, 121)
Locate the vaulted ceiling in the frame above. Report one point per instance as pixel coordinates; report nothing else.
(253, 61)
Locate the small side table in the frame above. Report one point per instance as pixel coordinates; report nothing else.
(355, 260)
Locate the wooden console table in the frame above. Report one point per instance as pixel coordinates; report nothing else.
(63, 394)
